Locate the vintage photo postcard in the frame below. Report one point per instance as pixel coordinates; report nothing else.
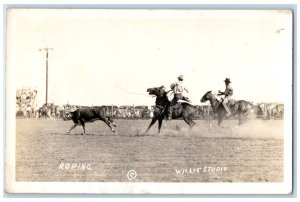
(155, 101)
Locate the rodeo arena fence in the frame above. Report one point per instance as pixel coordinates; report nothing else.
(26, 107)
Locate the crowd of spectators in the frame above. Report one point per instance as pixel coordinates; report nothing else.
(26, 102)
(268, 110)
(26, 106)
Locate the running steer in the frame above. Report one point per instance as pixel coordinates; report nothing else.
(88, 115)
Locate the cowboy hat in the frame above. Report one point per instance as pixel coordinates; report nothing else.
(227, 80)
(180, 77)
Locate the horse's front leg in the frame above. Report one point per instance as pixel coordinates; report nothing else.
(210, 122)
(220, 119)
(240, 119)
(154, 119)
(221, 116)
(159, 124)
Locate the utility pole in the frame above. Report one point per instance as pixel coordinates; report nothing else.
(47, 53)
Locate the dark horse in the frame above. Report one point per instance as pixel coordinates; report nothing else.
(180, 110)
(240, 107)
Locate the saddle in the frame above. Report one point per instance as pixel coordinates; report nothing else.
(230, 102)
(176, 106)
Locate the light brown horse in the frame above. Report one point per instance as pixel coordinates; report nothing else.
(240, 107)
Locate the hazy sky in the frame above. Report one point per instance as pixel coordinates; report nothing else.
(113, 56)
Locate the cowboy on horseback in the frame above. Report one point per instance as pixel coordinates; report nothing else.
(228, 94)
(186, 111)
(177, 89)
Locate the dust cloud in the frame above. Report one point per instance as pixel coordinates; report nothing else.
(254, 129)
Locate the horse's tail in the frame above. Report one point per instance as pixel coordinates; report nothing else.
(245, 106)
(250, 106)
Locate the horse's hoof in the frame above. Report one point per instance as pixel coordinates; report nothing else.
(82, 133)
(142, 134)
(67, 133)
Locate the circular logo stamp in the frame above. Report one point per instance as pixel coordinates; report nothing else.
(131, 174)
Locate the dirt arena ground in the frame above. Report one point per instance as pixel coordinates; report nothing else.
(250, 153)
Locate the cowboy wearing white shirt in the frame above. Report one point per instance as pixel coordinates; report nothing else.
(177, 89)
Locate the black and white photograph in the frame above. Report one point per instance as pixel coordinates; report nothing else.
(159, 101)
